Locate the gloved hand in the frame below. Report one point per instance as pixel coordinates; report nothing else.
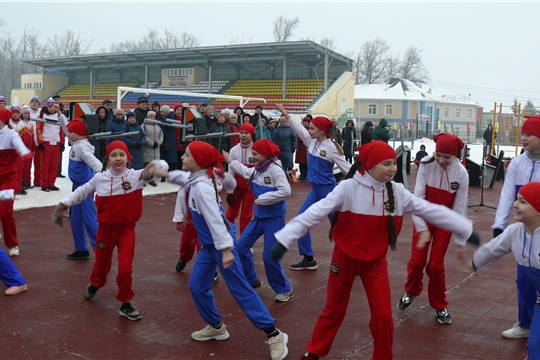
(62, 147)
(497, 232)
(277, 251)
(41, 147)
(138, 144)
(155, 145)
(231, 200)
(474, 239)
(180, 226)
(58, 214)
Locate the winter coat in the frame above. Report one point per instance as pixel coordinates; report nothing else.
(136, 150)
(487, 136)
(210, 121)
(234, 129)
(365, 135)
(336, 134)
(287, 145)
(380, 133)
(263, 133)
(301, 152)
(274, 136)
(140, 115)
(171, 156)
(115, 126)
(349, 135)
(221, 142)
(154, 135)
(255, 119)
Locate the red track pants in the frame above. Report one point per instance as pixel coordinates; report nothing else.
(49, 164)
(188, 241)
(6, 212)
(123, 237)
(37, 166)
(435, 268)
(244, 198)
(374, 276)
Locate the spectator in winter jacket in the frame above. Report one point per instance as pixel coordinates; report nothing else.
(141, 110)
(287, 144)
(349, 135)
(239, 112)
(169, 152)
(135, 143)
(380, 132)
(336, 133)
(234, 127)
(116, 124)
(156, 107)
(177, 111)
(301, 151)
(154, 138)
(365, 134)
(246, 118)
(257, 116)
(221, 142)
(262, 131)
(272, 125)
(210, 118)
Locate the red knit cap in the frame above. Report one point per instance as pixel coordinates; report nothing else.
(117, 144)
(531, 193)
(448, 144)
(374, 153)
(5, 115)
(322, 123)
(531, 125)
(77, 126)
(206, 156)
(266, 148)
(248, 127)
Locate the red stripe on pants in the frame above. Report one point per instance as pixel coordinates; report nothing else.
(6, 212)
(374, 276)
(123, 237)
(49, 164)
(244, 198)
(435, 268)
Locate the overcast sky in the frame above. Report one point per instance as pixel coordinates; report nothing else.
(487, 49)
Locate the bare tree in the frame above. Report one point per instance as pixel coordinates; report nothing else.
(392, 68)
(68, 44)
(30, 48)
(328, 43)
(9, 69)
(412, 67)
(236, 40)
(153, 41)
(283, 28)
(372, 62)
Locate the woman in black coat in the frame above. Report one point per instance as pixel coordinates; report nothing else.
(349, 135)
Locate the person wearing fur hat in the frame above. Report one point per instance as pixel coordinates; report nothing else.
(218, 249)
(349, 135)
(135, 143)
(441, 179)
(323, 154)
(119, 200)
(154, 138)
(361, 250)
(11, 147)
(51, 141)
(83, 165)
(380, 132)
(522, 170)
(242, 196)
(142, 109)
(116, 124)
(25, 131)
(270, 189)
(365, 134)
(520, 239)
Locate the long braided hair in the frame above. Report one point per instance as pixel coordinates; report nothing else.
(390, 206)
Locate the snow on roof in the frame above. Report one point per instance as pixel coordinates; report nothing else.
(407, 90)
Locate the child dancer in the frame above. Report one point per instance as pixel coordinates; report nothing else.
(83, 165)
(369, 210)
(270, 189)
(323, 153)
(9, 274)
(11, 146)
(521, 239)
(119, 207)
(28, 140)
(522, 170)
(243, 196)
(218, 250)
(441, 179)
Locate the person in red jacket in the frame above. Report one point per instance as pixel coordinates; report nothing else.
(11, 146)
(25, 131)
(234, 127)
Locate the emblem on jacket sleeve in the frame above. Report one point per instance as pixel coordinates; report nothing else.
(101, 245)
(267, 180)
(454, 185)
(193, 205)
(322, 153)
(72, 154)
(334, 268)
(126, 185)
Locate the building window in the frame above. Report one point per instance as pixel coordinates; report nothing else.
(27, 85)
(457, 131)
(458, 113)
(469, 114)
(388, 109)
(38, 85)
(446, 112)
(178, 72)
(372, 109)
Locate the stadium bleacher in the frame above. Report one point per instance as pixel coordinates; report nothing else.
(81, 93)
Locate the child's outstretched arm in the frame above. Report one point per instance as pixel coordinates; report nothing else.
(495, 248)
(295, 125)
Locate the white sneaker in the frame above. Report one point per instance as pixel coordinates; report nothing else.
(516, 332)
(14, 251)
(284, 297)
(278, 346)
(211, 333)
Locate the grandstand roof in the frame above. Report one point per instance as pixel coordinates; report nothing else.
(303, 53)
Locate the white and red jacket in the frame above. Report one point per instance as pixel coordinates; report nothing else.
(447, 186)
(242, 153)
(25, 129)
(53, 134)
(362, 227)
(118, 197)
(11, 147)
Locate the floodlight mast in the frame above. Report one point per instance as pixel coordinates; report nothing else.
(123, 90)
